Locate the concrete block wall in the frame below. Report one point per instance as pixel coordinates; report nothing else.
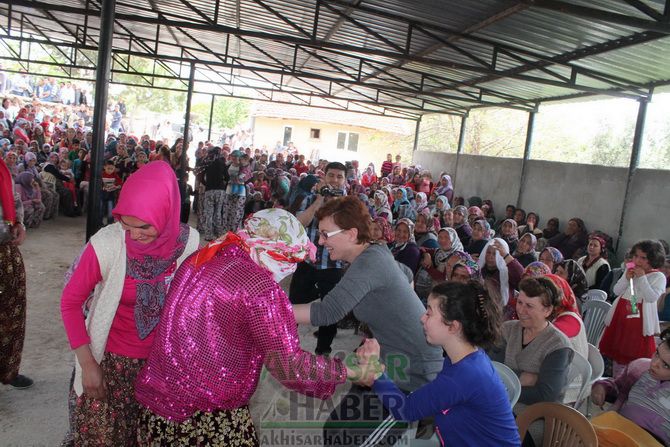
(565, 190)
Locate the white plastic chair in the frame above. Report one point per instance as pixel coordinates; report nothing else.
(596, 295)
(510, 380)
(579, 368)
(597, 370)
(594, 313)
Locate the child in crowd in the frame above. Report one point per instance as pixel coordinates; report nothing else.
(111, 184)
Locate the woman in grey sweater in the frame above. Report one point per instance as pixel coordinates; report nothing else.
(377, 292)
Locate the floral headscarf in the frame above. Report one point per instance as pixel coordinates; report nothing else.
(485, 226)
(475, 210)
(410, 226)
(556, 255)
(463, 211)
(443, 189)
(387, 231)
(421, 201)
(535, 270)
(533, 243)
(277, 241)
(465, 260)
(274, 238)
(25, 179)
(442, 255)
(515, 232)
(445, 202)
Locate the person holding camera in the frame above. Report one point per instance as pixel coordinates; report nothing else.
(313, 280)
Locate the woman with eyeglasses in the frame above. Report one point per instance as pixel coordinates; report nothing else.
(534, 348)
(377, 292)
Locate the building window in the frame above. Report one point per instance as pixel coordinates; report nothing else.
(341, 140)
(353, 142)
(347, 140)
(288, 132)
(315, 134)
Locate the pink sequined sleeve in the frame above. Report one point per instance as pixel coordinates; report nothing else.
(274, 330)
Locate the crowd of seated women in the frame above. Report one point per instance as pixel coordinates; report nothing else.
(539, 275)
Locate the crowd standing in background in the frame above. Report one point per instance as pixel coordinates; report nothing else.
(537, 275)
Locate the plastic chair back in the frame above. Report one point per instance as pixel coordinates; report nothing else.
(594, 313)
(579, 369)
(597, 363)
(596, 295)
(563, 425)
(510, 380)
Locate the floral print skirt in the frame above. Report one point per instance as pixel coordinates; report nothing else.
(113, 421)
(12, 311)
(221, 428)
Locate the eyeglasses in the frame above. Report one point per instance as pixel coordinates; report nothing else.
(324, 235)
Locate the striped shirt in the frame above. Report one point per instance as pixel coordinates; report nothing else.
(648, 406)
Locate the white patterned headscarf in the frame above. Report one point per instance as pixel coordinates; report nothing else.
(277, 241)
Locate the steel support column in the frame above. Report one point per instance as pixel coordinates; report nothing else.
(187, 116)
(526, 154)
(211, 114)
(634, 162)
(459, 149)
(103, 70)
(416, 134)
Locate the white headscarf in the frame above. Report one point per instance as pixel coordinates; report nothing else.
(500, 264)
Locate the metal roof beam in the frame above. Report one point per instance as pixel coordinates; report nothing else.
(320, 44)
(283, 18)
(648, 10)
(600, 15)
(345, 15)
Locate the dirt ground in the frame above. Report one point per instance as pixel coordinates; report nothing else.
(38, 416)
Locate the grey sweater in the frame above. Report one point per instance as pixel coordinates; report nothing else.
(377, 291)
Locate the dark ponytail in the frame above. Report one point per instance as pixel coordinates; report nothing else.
(470, 304)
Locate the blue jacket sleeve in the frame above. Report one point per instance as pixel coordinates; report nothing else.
(439, 395)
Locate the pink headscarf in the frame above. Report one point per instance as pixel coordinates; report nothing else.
(151, 194)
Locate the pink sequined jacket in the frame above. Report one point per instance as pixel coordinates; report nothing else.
(221, 323)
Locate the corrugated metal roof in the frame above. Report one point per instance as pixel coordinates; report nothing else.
(397, 57)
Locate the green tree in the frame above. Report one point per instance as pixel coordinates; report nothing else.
(228, 112)
(611, 147)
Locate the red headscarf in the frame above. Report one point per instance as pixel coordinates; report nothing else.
(568, 301)
(6, 194)
(151, 194)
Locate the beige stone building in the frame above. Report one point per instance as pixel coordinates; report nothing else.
(331, 134)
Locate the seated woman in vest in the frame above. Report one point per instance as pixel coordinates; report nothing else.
(534, 348)
(640, 414)
(595, 263)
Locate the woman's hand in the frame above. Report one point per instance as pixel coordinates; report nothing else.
(368, 351)
(93, 381)
(426, 261)
(528, 379)
(498, 246)
(598, 395)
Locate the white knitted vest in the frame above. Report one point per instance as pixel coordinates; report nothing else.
(110, 249)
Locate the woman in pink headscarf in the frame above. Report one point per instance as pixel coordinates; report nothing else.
(121, 280)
